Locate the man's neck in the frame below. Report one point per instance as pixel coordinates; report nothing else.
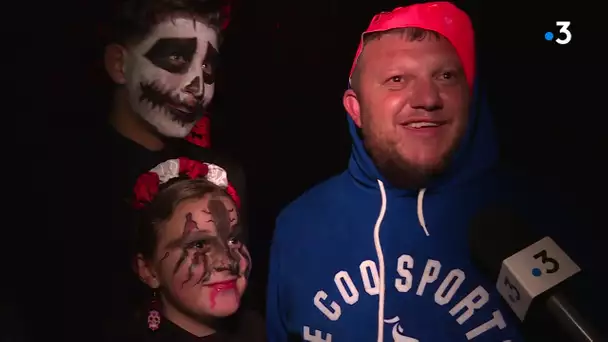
(129, 125)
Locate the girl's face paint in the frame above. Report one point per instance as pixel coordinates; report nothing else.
(201, 264)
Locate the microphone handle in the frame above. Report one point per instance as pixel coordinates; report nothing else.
(569, 318)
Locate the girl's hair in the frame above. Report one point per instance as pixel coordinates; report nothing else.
(162, 207)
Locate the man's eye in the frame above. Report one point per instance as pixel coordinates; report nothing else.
(447, 75)
(451, 76)
(234, 241)
(396, 79)
(176, 59)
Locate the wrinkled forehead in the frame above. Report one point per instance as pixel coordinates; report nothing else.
(179, 27)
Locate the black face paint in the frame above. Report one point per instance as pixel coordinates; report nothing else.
(173, 54)
(242, 251)
(210, 64)
(199, 256)
(245, 254)
(164, 256)
(157, 98)
(189, 227)
(221, 218)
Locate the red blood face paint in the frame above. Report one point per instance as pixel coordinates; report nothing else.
(211, 256)
(221, 288)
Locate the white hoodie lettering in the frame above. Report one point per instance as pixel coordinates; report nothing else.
(449, 286)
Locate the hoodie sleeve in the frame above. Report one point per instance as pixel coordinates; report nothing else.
(275, 312)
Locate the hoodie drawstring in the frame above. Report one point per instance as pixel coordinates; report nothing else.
(420, 212)
(380, 255)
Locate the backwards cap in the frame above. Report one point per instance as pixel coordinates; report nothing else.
(441, 17)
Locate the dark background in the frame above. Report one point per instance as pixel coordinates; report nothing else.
(278, 107)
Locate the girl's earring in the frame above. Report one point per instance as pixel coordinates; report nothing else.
(154, 313)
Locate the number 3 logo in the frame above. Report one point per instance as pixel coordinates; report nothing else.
(552, 264)
(563, 29)
(514, 296)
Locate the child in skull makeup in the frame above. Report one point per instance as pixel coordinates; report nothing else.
(161, 56)
(164, 65)
(190, 253)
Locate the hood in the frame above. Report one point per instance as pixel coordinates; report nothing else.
(477, 152)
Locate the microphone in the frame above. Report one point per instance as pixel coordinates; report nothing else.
(530, 271)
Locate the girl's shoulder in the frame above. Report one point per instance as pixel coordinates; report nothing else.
(251, 326)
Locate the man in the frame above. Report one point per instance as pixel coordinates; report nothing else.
(379, 252)
(162, 56)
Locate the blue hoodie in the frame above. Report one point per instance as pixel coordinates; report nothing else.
(354, 259)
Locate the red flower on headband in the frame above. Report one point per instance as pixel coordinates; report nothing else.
(146, 187)
(192, 168)
(235, 197)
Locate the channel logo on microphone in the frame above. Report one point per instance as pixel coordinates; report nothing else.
(551, 265)
(532, 271)
(563, 35)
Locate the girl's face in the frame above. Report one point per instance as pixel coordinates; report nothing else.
(200, 265)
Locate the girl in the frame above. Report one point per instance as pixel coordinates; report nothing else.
(189, 253)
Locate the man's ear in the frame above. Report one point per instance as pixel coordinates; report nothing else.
(114, 62)
(145, 272)
(351, 104)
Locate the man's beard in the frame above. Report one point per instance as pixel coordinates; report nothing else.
(398, 171)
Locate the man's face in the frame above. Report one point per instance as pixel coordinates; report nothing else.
(200, 262)
(413, 99)
(170, 74)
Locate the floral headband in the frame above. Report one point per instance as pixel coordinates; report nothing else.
(146, 186)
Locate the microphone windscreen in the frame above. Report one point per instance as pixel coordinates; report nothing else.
(494, 235)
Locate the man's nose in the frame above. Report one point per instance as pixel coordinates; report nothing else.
(425, 95)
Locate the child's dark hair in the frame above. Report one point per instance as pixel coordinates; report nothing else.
(169, 196)
(133, 20)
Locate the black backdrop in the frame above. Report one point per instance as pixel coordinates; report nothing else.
(278, 108)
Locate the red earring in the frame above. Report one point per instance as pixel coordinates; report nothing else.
(154, 314)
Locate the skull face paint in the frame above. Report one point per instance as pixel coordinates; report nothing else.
(207, 267)
(170, 74)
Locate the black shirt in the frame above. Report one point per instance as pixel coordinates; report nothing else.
(129, 160)
(245, 326)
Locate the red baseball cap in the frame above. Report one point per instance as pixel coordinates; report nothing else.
(442, 17)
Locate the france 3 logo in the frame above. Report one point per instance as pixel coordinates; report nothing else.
(550, 264)
(532, 271)
(563, 35)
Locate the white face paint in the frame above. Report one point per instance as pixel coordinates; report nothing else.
(170, 75)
